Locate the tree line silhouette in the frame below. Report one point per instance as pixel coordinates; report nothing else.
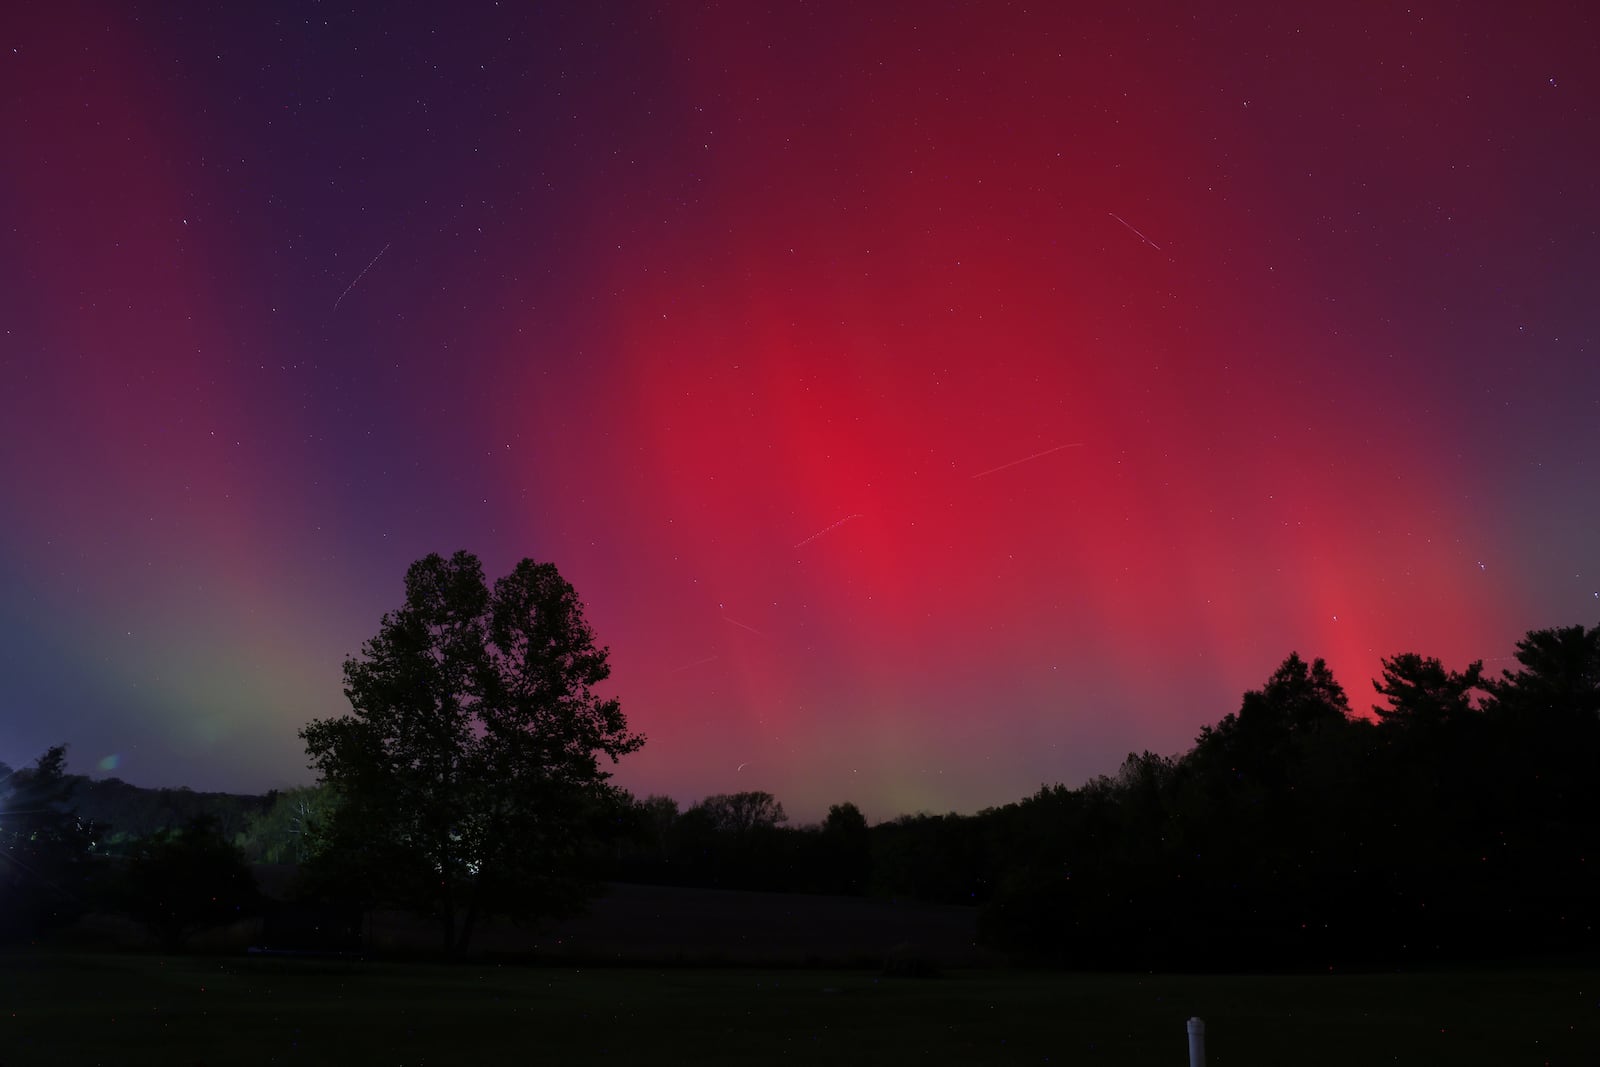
(1460, 820)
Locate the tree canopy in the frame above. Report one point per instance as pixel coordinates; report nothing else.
(1421, 692)
(287, 829)
(742, 814)
(179, 882)
(46, 848)
(1458, 821)
(1557, 679)
(467, 776)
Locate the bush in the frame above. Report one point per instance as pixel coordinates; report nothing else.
(178, 883)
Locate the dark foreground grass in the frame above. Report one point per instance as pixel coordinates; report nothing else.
(59, 1008)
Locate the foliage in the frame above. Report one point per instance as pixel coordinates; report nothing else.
(1460, 821)
(739, 841)
(1558, 678)
(130, 813)
(178, 882)
(847, 848)
(742, 814)
(1295, 834)
(1421, 693)
(289, 829)
(47, 851)
(657, 814)
(1274, 724)
(466, 778)
(943, 859)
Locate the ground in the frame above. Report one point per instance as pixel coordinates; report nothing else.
(79, 1008)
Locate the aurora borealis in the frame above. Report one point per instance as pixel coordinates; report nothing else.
(929, 401)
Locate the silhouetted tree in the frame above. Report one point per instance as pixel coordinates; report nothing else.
(942, 859)
(1277, 725)
(47, 850)
(1421, 693)
(657, 816)
(658, 813)
(845, 855)
(645, 851)
(467, 778)
(179, 882)
(1538, 849)
(742, 814)
(734, 841)
(1558, 680)
(844, 820)
(1294, 834)
(1299, 698)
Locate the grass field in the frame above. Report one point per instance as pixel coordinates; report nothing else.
(67, 1008)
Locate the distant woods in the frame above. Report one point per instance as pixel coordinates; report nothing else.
(738, 841)
(1460, 820)
(1451, 814)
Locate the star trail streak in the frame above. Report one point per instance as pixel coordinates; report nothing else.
(1026, 459)
(358, 277)
(825, 530)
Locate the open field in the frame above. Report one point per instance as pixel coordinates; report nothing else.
(71, 1008)
(649, 923)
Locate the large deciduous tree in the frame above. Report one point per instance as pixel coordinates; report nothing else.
(467, 777)
(743, 814)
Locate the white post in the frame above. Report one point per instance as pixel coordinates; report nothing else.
(1197, 1042)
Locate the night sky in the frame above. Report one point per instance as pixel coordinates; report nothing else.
(929, 401)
